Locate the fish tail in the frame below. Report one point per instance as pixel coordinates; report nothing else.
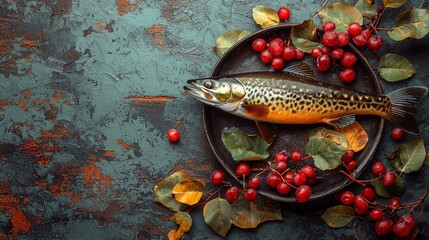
(403, 112)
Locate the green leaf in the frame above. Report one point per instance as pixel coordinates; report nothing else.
(218, 214)
(251, 214)
(412, 155)
(366, 8)
(397, 189)
(227, 39)
(342, 15)
(243, 146)
(184, 222)
(393, 3)
(265, 17)
(338, 216)
(304, 36)
(412, 23)
(163, 195)
(327, 147)
(393, 67)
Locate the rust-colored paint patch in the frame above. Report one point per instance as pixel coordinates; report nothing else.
(62, 7)
(44, 160)
(108, 27)
(109, 153)
(29, 43)
(21, 104)
(93, 176)
(64, 179)
(106, 216)
(124, 145)
(57, 96)
(124, 6)
(157, 32)
(150, 99)
(26, 94)
(3, 103)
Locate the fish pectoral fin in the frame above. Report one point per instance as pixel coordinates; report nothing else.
(268, 131)
(231, 106)
(256, 110)
(301, 70)
(341, 122)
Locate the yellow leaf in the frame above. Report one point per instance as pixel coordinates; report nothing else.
(184, 220)
(189, 191)
(356, 136)
(265, 17)
(227, 39)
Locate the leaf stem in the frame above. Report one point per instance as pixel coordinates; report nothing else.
(385, 29)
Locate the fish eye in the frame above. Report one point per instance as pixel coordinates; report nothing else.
(208, 84)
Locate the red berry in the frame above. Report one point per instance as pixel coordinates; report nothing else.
(284, 13)
(347, 75)
(288, 53)
(366, 33)
(255, 183)
(323, 63)
(360, 40)
(232, 194)
(348, 156)
(375, 43)
(299, 179)
(347, 198)
(348, 60)
(277, 63)
(303, 193)
(273, 179)
(389, 179)
(243, 169)
(376, 214)
(408, 218)
(280, 157)
(394, 203)
(299, 54)
(265, 56)
(401, 229)
(378, 169)
(283, 188)
(383, 226)
(251, 195)
(289, 176)
(343, 39)
(397, 133)
(330, 39)
(328, 26)
(351, 165)
(217, 177)
(308, 171)
(276, 47)
(337, 54)
(173, 135)
(295, 155)
(281, 166)
(354, 29)
(360, 205)
(325, 50)
(369, 194)
(259, 45)
(316, 52)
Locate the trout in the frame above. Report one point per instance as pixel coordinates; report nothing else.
(293, 96)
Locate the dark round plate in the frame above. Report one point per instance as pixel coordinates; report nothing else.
(241, 58)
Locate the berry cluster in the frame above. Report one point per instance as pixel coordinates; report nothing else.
(276, 52)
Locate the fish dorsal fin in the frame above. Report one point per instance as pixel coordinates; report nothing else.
(301, 70)
(268, 131)
(341, 122)
(256, 110)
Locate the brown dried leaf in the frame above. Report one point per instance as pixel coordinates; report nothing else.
(356, 136)
(184, 222)
(189, 191)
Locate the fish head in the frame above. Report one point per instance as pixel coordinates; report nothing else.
(224, 93)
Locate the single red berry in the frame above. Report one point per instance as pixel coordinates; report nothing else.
(273, 179)
(328, 26)
(311, 180)
(316, 52)
(348, 156)
(323, 63)
(281, 166)
(232, 194)
(288, 53)
(408, 218)
(348, 60)
(396, 133)
(255, 183)
(308, 171)
(299, 54)
(299, 179)
(277, 63)
(359, 40)
(378, 169)
(276, 47)
(259, 45)
(351, 165)
(369, 194)
(303, 193)
(217, 177)
(289, 176)
(284, 13)
(343, 39)
(173, 135)
(347, 75)
(280, 157)
(325, 50)
(401, 229)
(375, 43)
(251, 195)
(394, 203)
(376, 214)
(383, 226)
(389, 179)
(265, 56)
(283, 188)
(347, 198)
(295, 155)
(330, 39)
(360, 205)
(366, 33)
(354, 29)
(337, 54)
(243, 169)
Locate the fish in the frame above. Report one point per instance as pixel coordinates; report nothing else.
(294, 96)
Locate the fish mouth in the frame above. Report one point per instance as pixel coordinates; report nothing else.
(197, 91)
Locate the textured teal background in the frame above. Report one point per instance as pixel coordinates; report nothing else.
(88, 90)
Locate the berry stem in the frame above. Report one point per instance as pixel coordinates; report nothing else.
(352, 178)
(205, 201)
(384, 29)
(416, 204)
(262, 171)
